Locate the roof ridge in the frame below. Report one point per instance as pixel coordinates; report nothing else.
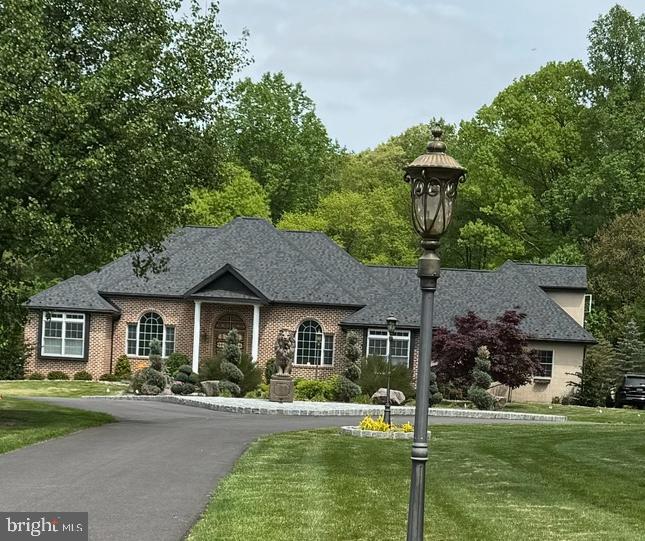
(320, 268)
(576, 265)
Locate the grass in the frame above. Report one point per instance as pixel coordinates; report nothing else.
(485, 482)
(70, 389)
(581, 413)
(23, 422)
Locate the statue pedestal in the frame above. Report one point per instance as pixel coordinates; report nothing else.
(281, 388)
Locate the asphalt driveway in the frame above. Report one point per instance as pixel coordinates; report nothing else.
(147, 477)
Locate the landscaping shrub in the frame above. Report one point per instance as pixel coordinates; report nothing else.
(261, 392)
(181, 377)
(379, 425)
(269, 369)
(362, 399)
(435, 395)
(252, 376)
(122, 369)
(186, 381)
(149, 389)
(109, 377)
(478, 393)
(83, 375)
(182, 388)
(150, 378)
(322, 390)
(57, 374)
(228, 388)
(374, 376)
(352, 354)
(210, 369)
(36, 376)
(174, 362)
(231, 372)
(346, 390)
(156, 363)
(231, 368)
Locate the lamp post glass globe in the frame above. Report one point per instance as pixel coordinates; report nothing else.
(434, 179)
(391, 328)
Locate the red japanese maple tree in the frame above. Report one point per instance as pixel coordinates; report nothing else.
(454, 351)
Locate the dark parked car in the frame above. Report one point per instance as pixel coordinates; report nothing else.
(631, 391)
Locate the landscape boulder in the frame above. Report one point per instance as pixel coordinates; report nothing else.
(211, 387)
(396, 397)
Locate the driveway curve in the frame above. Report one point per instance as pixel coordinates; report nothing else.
(146, 477)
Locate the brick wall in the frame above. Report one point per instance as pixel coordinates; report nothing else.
(179, 313)
(276, 317)
(99, 327)
(105, 348)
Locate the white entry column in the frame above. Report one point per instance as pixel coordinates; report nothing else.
(255, 336)
(197, 324)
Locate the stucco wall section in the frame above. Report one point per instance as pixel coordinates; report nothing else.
(99, 327)
(567, 359)
(572, 302)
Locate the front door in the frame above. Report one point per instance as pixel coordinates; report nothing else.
(223, 326)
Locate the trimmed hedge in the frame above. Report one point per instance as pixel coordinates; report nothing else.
(57, 374)
(83, 375)
(36, 376)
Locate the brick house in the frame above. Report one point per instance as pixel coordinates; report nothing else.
(250, 276)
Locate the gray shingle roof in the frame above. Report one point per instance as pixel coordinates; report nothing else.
(487, 293)
(75, 293)
(556, 276)
(249, 260)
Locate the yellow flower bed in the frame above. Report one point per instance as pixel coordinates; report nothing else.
(379, 425)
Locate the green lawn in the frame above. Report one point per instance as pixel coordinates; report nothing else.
(580, 413)
(23, 422)
(60, 388)
(485, 482)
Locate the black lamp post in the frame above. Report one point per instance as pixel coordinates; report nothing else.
(391, 327)
(434, 178)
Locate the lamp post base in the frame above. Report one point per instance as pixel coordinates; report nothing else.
(387, 415)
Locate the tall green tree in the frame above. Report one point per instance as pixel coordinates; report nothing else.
(279, 138)
(240, 195)
(630, 351)
(370, 226)
(597, 375)
(103, 107)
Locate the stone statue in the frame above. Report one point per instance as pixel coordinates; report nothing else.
(285, 348)
(281, 386)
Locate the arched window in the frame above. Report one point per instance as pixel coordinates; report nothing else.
(149, 327)
(224, 325)
(311, 342)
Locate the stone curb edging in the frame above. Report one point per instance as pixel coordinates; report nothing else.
(391, 435)
(264, 407)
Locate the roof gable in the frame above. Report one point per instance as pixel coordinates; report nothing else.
(227, 284)
(554, 276)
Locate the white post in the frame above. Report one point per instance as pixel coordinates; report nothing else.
(196, 334)
(255, 337)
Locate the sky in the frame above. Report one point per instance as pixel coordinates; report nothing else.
(376, 67)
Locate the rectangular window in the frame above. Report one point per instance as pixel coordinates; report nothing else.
(132, 339)
(378, 344)
(169, 342)
(328, 352)
(545, 358)
(63, 334)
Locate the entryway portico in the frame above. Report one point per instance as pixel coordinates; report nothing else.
(205, 329)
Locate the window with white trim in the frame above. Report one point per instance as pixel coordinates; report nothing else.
(150, 326)
(545, 358)
(313, 347)
(63, 335)
(378, 345)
